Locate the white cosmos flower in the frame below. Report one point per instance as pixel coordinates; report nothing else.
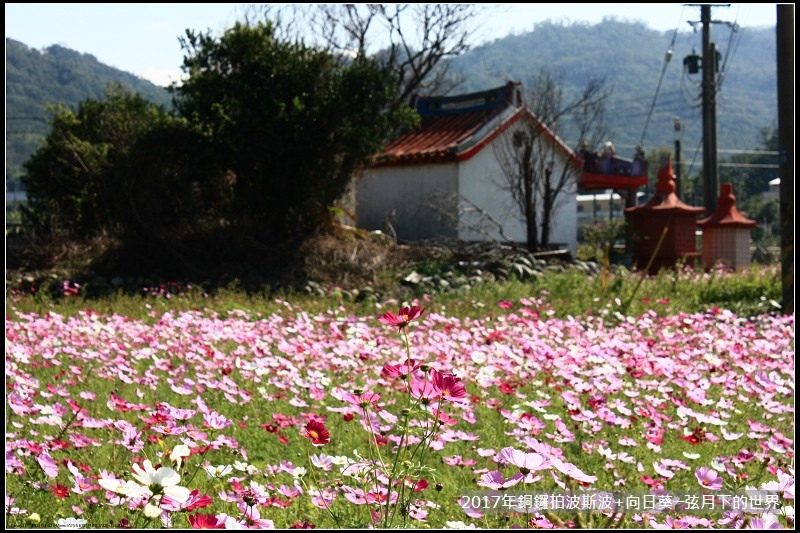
(163, 480)
(151, 482)
(125, 488)
(217, 471)
(179, 453)
(152, 511)
(70, 523)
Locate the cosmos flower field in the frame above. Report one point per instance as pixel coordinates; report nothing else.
(247, 420)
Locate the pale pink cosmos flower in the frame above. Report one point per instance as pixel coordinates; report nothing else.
(322, 461)
(417, 513)
(669, 523)
(169, 429)
(708, 478)
(572, 471)
(49, 466)
(323, 499)
(784, 485)
(214, 420)
(11, 508)
(526, 462)
(765, 521)
(662, 470)
(181, 414)
(495, 480)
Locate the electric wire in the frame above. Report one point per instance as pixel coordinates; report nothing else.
(667, 57)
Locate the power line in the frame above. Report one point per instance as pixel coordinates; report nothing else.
(667, 57)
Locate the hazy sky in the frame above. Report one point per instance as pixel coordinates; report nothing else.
(143, 38)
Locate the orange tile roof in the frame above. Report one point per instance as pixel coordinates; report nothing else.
(447, 123)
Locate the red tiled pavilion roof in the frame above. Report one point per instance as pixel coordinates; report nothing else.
(665, 197)
(726, 214)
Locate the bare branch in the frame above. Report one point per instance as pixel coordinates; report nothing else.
(415, 40)
(533, 172)
(466, 206)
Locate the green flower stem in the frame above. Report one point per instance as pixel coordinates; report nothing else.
(316, 484)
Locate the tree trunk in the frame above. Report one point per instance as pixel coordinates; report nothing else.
(547, 208)
(530, 211)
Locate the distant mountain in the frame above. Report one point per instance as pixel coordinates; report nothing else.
(632, 58)
(55, 75)
(628, 54)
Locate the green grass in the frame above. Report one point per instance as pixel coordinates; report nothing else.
(747, 292)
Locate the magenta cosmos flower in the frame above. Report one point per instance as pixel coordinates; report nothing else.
(448, 386)
(204, 521)
(403, 317)
(317, 433)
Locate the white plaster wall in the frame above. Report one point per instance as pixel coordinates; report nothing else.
(404, 195)
(481, 182)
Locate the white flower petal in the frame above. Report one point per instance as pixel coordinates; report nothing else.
(179, 494)
(152, 511)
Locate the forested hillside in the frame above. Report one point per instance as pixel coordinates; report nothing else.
(36, 79)
(629, 55)
(631, 58)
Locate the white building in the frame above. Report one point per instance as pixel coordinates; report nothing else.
(601, 207)
(443, 179)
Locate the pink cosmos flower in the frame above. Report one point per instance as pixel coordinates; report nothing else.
(403, 318)
(423, 390)
(194, 501)
(169, 429)
(364, 400)
(400, 370)
(252, 518)
(708, 477)
(323, 499)
(214, 420)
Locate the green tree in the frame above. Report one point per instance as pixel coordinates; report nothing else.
(106, 168)
(290, 124)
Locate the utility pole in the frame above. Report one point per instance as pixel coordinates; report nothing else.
(710, 169)
(677, 127)
(710, 65)
(784, 33)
